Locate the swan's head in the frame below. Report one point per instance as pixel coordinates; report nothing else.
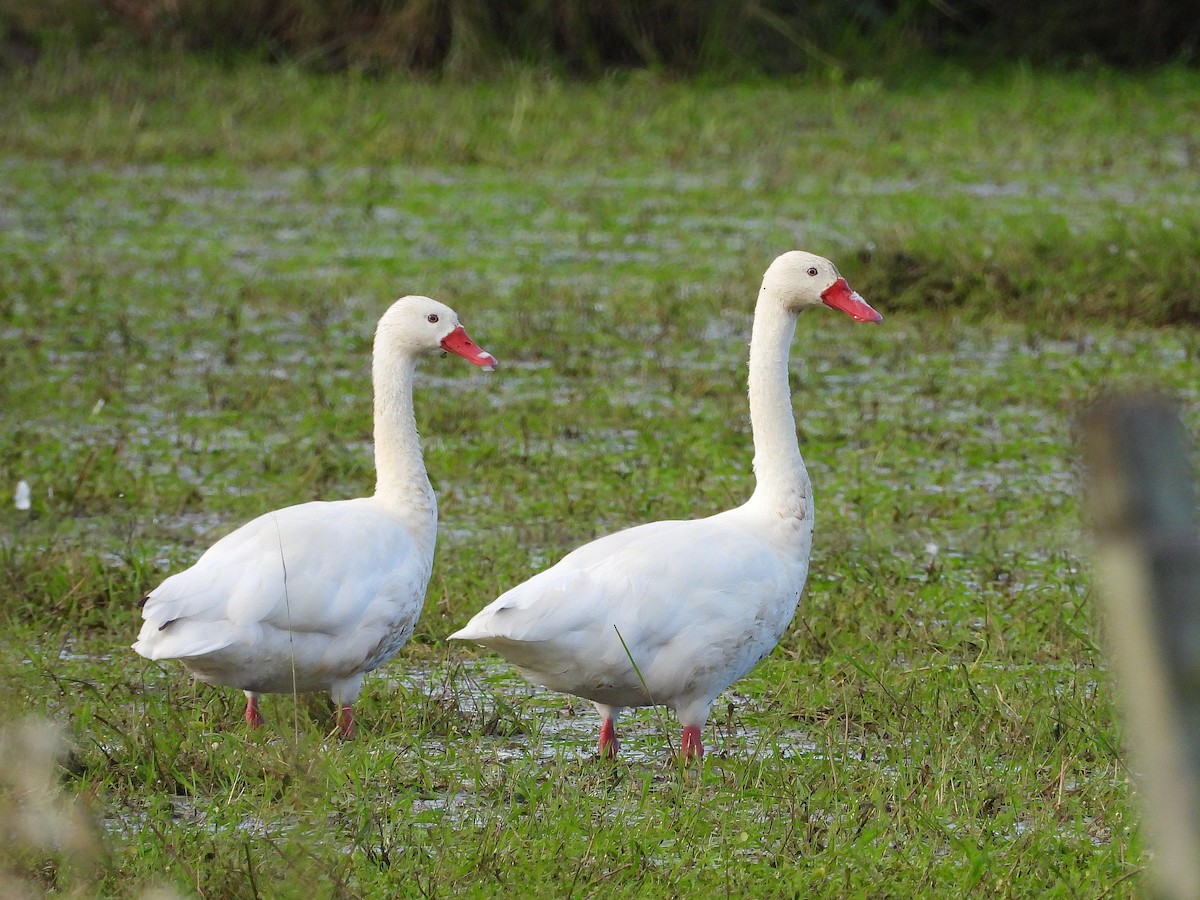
(799, 280)
(422, 325)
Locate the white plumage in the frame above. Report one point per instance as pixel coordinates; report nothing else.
(671, 613)
(311, 597)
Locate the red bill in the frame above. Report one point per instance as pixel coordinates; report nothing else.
(458, 342)
(839, 296)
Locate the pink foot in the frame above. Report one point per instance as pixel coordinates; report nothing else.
(608, 740)
(690, 745)
(345, 722)
(253, 717)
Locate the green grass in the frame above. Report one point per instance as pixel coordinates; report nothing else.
(191, 264)
(1055, 197)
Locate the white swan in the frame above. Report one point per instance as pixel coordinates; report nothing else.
(671, 613)
(311, 597)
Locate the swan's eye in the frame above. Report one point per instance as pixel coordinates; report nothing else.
(812, 271)
(433, 317)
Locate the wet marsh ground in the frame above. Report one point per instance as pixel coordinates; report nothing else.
(193, 260)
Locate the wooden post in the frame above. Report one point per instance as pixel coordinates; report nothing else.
(1142, 500)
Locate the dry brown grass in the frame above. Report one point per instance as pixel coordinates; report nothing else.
(48, 839)
(592, 37)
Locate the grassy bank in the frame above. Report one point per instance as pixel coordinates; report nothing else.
(587, 38)
(193, 261)
(1050, 197)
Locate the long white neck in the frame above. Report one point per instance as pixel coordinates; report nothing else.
(401, 482)
(783, 486)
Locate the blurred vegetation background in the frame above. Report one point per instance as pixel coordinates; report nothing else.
(586, 38)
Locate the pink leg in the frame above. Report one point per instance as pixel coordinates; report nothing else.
(253, 717)
(608, 740)
(690, 745)
(345, 722)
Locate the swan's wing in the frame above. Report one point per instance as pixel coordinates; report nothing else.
(323, 568)
(563, 597)
(664, 594)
